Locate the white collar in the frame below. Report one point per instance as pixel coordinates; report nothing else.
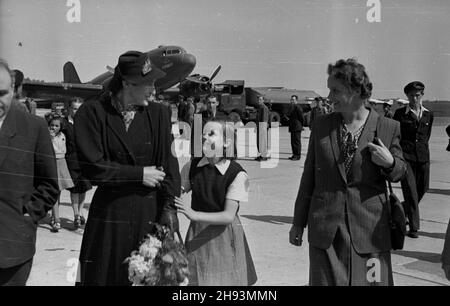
(422, 109)
(70, 119)
(222, 165)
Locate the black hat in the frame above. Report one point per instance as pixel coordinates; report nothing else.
(18, 78)
(136, 67)
(416, 85)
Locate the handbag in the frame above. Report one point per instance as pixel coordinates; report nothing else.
(397, 220)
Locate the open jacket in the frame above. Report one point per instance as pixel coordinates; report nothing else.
(28, 184)
(326, 196)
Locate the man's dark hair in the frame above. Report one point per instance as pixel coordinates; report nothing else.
(294, 96)
(76, 100)
(18, 79)
(353, 75)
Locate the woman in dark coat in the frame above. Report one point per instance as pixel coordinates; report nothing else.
(124, 145)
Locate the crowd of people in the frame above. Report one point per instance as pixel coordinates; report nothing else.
(121, 143)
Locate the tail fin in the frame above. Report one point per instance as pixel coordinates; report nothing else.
(70, 73)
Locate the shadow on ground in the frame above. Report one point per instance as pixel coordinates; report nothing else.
(432, 235)
(270, 218)
(439, 191)
(423, 256)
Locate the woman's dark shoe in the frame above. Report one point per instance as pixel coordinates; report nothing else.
(56, 226)
(413, 234)
(77, 222)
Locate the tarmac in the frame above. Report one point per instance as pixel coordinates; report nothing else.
(267, 218)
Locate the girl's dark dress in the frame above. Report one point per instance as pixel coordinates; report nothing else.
(122, 207)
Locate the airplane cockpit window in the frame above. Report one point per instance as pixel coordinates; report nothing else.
(176, 51)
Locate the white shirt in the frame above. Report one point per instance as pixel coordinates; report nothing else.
(59, 145)
(418, 115)
(238, 189)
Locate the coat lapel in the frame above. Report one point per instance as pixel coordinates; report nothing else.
(116, 124)
(334, 129)
(7, 132)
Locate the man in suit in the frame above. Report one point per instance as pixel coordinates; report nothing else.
(212, 111)
(415, 125)
(342, 196)
(318, 110)
(296, 123)
(262, 121)
(28, 183)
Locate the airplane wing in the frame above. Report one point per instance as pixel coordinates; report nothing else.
(58, 92)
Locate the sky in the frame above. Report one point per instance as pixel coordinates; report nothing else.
(286, 43)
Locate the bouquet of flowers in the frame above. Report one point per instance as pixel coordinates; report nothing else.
(160, 261)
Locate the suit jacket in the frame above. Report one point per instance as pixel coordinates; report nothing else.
(315, 112)
(446, 252)
(326, 195)
(296, 121)
(28, 184)
(415, 134)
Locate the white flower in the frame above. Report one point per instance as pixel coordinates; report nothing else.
(150, 247)
(138, 268)
(185, 282)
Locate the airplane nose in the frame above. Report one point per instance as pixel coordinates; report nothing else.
(189, 61)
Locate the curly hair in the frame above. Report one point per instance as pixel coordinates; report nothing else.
(51, 117)
(353, 75)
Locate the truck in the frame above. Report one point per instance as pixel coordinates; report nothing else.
(240, 102)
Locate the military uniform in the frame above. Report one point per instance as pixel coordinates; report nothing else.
(416, 132)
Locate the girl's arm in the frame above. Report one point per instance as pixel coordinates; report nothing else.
(224, 217)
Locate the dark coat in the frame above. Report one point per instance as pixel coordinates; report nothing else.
(122, 207)
(28, 184)
(445, 258)
(315, 112)
(415, 134)
(81, 183)
(325, 191)
(296, 121)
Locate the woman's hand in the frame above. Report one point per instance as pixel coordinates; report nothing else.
(381, 154)
(152, 176)
(185, 210)
(295, 235)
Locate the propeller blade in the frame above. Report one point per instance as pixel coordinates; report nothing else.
(215, 73)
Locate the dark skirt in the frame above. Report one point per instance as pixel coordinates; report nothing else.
(341, 265)
(219, 255)
(118, 222)
(81, 185)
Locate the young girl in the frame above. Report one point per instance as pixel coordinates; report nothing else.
(217, 249)
(64, 179)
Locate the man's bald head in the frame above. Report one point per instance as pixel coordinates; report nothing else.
(6, 88)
